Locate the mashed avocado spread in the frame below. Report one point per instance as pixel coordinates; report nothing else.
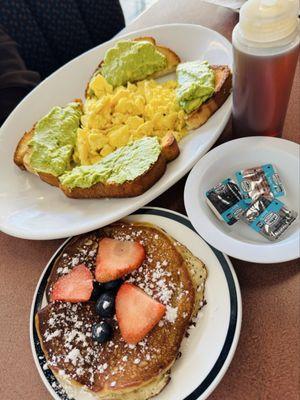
(196, 81)
(130, 61)
(124, 164)
(54, 139)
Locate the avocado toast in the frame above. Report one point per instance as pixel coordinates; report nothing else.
(124, 110)
(116, 369)
(133, 170)
(47, 149)
(143, 48)
(222, 89)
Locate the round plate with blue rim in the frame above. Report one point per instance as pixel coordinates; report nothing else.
(208, 351)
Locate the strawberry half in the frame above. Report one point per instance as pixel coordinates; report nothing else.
(117, 258)
(137, 313)
(74, 287)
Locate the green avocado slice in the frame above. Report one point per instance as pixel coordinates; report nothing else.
(196, 81)
(54, 139)
(131, 61)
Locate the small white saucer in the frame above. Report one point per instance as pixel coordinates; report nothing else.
(239, 240)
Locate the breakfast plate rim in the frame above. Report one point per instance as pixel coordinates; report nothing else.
(213, 378)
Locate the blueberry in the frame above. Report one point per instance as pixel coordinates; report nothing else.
(97, 290)
(102, 332)
(112, 285)
(105, 305)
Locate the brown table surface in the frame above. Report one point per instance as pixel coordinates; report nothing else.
(266, 363)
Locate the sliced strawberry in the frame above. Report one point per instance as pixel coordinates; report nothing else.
(137, 313)
(74, 287)
(117, 258)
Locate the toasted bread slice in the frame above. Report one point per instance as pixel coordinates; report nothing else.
(172, 60)
(127, 189)
(136, 187)
(22, 155)
(223, 85)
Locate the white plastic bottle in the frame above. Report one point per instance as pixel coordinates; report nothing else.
(266, 48)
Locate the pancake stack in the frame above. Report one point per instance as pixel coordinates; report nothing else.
(170, 274)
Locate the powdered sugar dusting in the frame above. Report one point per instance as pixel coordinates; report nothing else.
(84, 254)
(69, 327)
(171, 314)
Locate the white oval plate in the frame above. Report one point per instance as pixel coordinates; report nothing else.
(31, 209)
(208, 351)
(239, 240)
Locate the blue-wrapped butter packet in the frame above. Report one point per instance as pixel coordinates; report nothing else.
(259, 181)
(269, 217)
(226, 201)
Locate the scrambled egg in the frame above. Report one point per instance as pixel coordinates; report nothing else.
(115, 117)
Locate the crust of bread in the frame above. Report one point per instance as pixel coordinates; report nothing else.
(48, 178)
(223, 85)
(147, 38)
(170, 148)
(22, 149)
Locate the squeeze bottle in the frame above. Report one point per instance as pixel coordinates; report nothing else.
(265, 49)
